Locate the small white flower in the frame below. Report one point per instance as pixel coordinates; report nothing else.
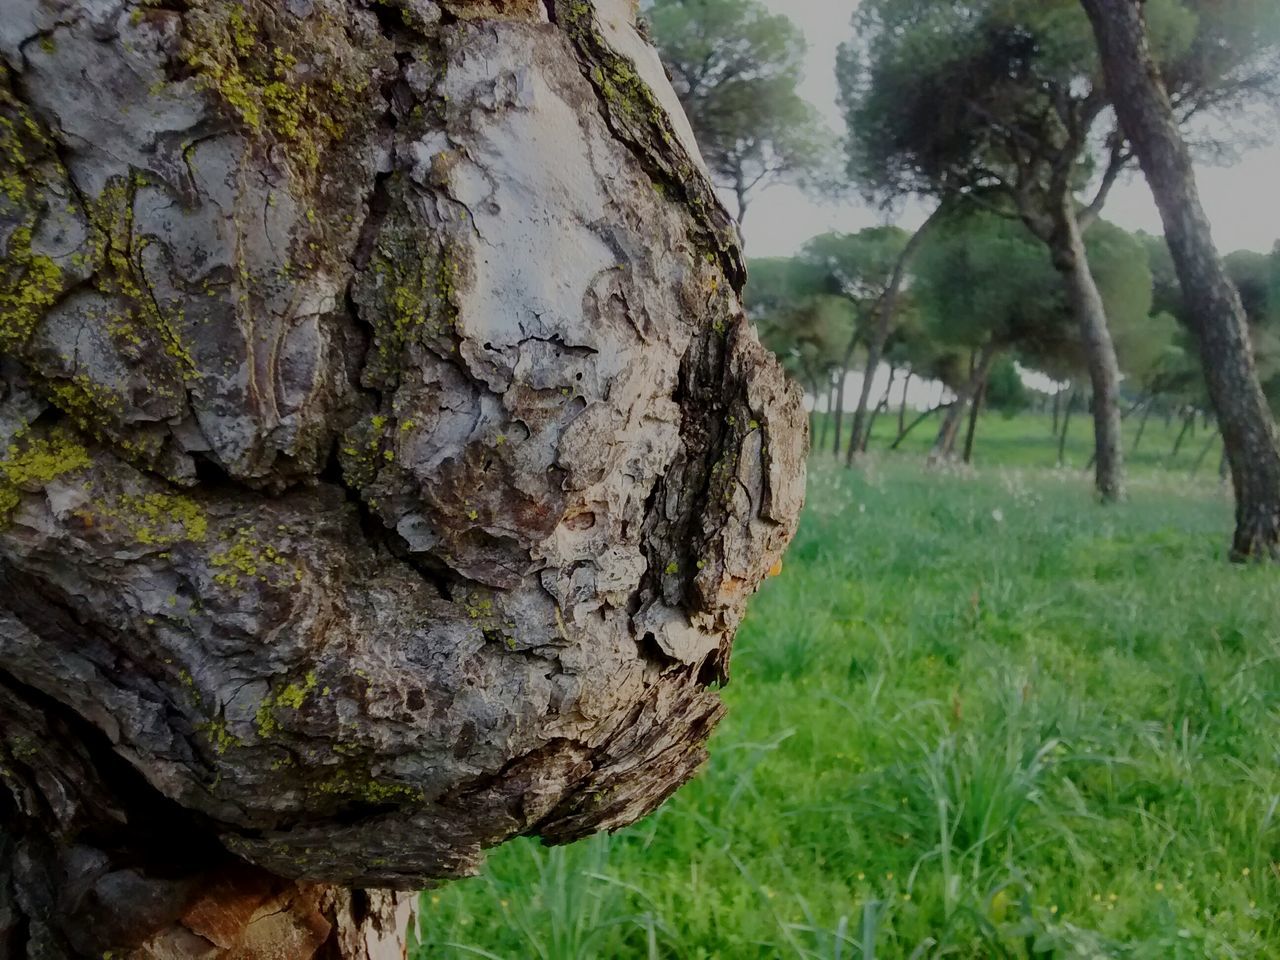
(862, 508)
(997, 515)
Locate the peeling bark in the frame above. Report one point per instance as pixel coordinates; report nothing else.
(388, 461)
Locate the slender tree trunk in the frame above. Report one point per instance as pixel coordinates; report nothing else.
(815, 392)
(902, 407)
(839, 420)
(1215, 312)
(1187, 423)
(1066, 426)
(947, 432)
(921, 418)
(886, 314)
(826, 419)
(880, 407)
(322, 568)
(974, 411)
(1057, 402)
(1072, 262)
(1142, 425)
(1204, 454)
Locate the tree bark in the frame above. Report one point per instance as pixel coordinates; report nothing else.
(1217, 316)
(1057, 401)
(886, 313)
(944, 445)
(1072, 263)
(386, 459)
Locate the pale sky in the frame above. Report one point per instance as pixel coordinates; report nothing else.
(1242, 200)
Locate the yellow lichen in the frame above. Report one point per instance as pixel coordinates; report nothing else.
(30, 464)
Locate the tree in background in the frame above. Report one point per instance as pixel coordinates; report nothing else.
(735, 67)
(863, 268)
(994, 103)
(804, 327)
(1217, 315)
(983, 286)
(1001, 102)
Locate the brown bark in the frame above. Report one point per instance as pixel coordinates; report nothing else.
(386, 461)
(1216, 313)
(1067, 249)
(886, 311)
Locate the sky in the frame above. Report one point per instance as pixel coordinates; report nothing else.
(1242, 200)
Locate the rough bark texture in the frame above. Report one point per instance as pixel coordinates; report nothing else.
(1072, 263)
(387, 461)
(1217, 315)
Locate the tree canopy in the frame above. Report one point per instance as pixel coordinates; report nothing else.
(735, 67)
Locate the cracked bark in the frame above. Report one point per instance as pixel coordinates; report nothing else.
(387, 459)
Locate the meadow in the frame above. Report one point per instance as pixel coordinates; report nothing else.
(977, 716)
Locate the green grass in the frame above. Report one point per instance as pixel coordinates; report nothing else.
(1027, 440)
(977, 716)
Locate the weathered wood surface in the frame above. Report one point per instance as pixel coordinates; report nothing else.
(387, 461)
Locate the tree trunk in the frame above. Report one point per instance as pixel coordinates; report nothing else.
(886, 312)
(1204, 455)
(826, 421)
(842, 380)
(1072, 262)
(1187, 423)
(1066, 425)
(1142, 425)
(921, 418)
(1057, 400)
(1215, 311)
(876, 411)
(813, 411)
(947, 432)
(902, 407)
(387, 461)
(974, 410)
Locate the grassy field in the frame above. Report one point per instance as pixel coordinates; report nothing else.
(977, 716)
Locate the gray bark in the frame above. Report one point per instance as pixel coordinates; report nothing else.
(387, 459)
(1216, 313)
